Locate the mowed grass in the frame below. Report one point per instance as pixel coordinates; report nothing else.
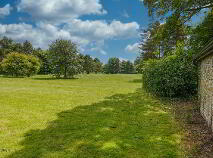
(94, 116)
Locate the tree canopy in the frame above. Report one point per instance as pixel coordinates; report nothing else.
(64, 58)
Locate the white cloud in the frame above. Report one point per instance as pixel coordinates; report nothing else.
(40, 36)
(98, 49)
(58, 11)
(132, 48)
(89, 35)
(122, 59)
(5, 11)
(97, 30)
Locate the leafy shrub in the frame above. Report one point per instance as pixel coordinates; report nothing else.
(173, 76)
(20, 65)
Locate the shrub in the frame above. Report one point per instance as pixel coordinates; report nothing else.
(20, 65)
(173, 76)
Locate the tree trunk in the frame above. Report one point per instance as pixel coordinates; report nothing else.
(65, 72)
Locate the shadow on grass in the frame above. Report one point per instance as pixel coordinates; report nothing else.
(45, 78)
(131, 125)
(5, 76)
(136, 81)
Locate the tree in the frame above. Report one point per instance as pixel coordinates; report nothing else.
(106, 69)
(88, 64)
(64, 58)
(27, 47)
(185, 9)
(113, 66)
(97, 65)
(172, 76)
(158, 40)
(127, 67)
(202, 33)
(42, 55)
(138, 64)
(16, 64)
(6, 46)
(150, 41)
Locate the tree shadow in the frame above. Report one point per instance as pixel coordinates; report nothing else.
(124, 125)
(6, 76)
(44, 78)
(136, 81)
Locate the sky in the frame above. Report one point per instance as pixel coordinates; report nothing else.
(101, 28)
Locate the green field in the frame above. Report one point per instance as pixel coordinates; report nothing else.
(94, 116)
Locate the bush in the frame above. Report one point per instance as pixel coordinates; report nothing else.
(173, 76)
(20, 65)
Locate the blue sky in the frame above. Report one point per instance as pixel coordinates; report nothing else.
(105, 28)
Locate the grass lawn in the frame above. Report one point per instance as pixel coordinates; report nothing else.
(95, 116)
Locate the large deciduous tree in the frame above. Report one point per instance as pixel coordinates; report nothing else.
(64, 58)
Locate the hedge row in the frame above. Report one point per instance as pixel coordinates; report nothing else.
(172, 76)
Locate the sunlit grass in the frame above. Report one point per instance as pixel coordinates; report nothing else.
(93, 116)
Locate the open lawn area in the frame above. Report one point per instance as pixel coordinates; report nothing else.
(94, 116)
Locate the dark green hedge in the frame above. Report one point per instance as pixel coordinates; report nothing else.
(173, 76)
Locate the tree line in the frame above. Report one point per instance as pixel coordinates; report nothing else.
(62, 59)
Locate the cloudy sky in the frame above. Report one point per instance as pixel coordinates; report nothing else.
(101, 28)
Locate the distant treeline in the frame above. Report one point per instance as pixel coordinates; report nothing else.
(62, 58)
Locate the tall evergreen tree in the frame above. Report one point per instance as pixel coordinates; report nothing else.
(88, 64)
(113, 66)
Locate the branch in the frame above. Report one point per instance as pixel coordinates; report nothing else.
(199, 8)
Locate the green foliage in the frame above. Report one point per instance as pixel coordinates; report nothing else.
(138, 64)
(20, 65)
(27, 47)
(202, 34)
(64, 59)
(113, 66)
(185, 9)
(139, 67)
(7, 45)
(44, 60)
(98, 66)
(89, 64)
(173, 76)
(127, 67)
(158, 40)
(106, 69)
